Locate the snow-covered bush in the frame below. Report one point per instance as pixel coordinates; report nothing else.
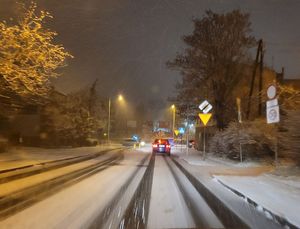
(72, 120)
(290, 138)
(289, 135)
(256, 137)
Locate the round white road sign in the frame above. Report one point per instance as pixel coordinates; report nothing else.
(271, 92)
(273, 114)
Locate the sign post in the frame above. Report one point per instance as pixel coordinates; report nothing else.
(273, 115)
(205, 107)
(181, 132)
(204, 118)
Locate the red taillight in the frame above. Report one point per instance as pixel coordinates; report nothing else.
(168, 146)
(154, 145)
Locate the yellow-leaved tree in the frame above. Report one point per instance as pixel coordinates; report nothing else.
(28, 55)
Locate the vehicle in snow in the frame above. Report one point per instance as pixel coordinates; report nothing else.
(161, 146)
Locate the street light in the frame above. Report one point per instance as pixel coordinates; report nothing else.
(173, 110)
(120, 98)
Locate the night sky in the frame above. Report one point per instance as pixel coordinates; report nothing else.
(125, 43)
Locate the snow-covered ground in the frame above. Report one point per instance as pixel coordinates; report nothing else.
(22, 156)
(167, 207)
(78, 205)
(278, 195)
(270, 193)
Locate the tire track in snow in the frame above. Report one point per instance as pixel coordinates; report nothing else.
(22, 199)
(136, 214)
(114, 207)
(199, 220)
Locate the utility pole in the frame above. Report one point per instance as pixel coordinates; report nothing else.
(259, 55)
(260, 86)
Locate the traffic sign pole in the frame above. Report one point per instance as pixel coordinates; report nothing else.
(187, 140)
(205, 119)
(273, 115)
(205, 107)
(204, 143)
(276, 144)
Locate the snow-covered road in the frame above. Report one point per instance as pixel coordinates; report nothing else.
(103, 199)
(175, 203)
(127, 188)
(167, 207)
(78, 205)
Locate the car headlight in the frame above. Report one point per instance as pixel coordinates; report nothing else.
(142, 143)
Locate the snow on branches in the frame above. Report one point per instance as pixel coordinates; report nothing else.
(257, 138)
(28, 55)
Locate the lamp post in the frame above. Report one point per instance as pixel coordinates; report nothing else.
(108, 123)
(120, 98)
(173, 112)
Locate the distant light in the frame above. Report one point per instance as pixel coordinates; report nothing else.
(143, 143)
(105, 134)
(181, 130)
(173, 106)
(120, 98)
(135, 137)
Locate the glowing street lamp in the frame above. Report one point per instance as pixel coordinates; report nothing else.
(120, 99)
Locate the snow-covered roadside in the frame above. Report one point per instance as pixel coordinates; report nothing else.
(195, 157)
(275, 197)
(278, 197)
(23, 156)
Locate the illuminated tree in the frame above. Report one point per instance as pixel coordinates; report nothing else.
(28, 55)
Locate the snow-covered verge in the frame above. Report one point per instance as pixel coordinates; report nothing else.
(195, 157)
(23, 156)
(277, 198)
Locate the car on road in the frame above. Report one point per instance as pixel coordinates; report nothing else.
(191, 144)
(129, 142)
(161, 146)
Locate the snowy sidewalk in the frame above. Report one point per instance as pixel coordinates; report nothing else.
(269, 194)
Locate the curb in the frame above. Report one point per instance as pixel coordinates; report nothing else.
(223, 212)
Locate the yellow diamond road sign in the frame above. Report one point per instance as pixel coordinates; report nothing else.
(176, 132)
(205, 118)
